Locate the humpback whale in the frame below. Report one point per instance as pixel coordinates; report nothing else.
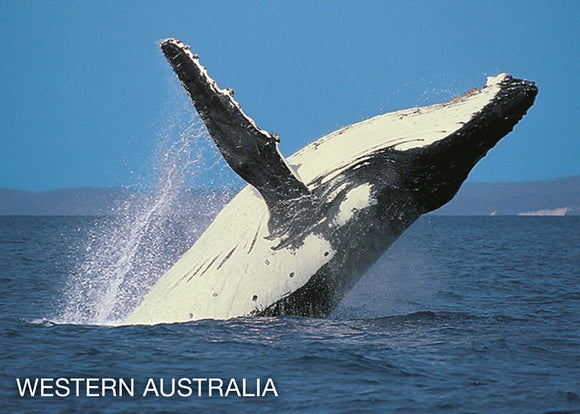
(307, 227)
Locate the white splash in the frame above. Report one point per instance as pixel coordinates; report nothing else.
(127, 251)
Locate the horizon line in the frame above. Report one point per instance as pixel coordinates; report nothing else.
(136, 188)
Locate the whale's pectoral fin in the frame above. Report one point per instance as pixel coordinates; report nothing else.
(251, 152)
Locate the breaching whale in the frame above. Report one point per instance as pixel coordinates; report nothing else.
(306, 228)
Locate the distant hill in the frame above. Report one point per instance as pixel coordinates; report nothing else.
(74, 201)
(560, 196)
(101, 201)
(553, 197)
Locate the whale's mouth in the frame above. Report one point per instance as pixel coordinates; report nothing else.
(450, 160)
(493, 122)
(516, 95)
(503, 100)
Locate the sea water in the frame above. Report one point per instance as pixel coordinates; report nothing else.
(461, 314)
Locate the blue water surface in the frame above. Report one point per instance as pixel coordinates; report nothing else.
(462, 314)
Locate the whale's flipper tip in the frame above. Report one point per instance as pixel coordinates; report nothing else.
(250, 151)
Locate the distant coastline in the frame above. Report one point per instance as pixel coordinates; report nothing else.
(556, 197)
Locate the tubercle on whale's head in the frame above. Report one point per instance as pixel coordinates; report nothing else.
(444, 165)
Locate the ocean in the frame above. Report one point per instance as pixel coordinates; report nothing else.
(460, 315)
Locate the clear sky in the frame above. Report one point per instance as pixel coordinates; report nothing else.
(85, 90)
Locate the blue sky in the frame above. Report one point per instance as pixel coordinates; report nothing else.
(85, 91)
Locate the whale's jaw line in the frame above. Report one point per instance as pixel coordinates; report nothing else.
(455, 156)
(297, 239)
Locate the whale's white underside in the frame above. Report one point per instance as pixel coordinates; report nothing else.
(233, 269)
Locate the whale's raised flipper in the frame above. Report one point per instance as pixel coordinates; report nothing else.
(250, 151)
